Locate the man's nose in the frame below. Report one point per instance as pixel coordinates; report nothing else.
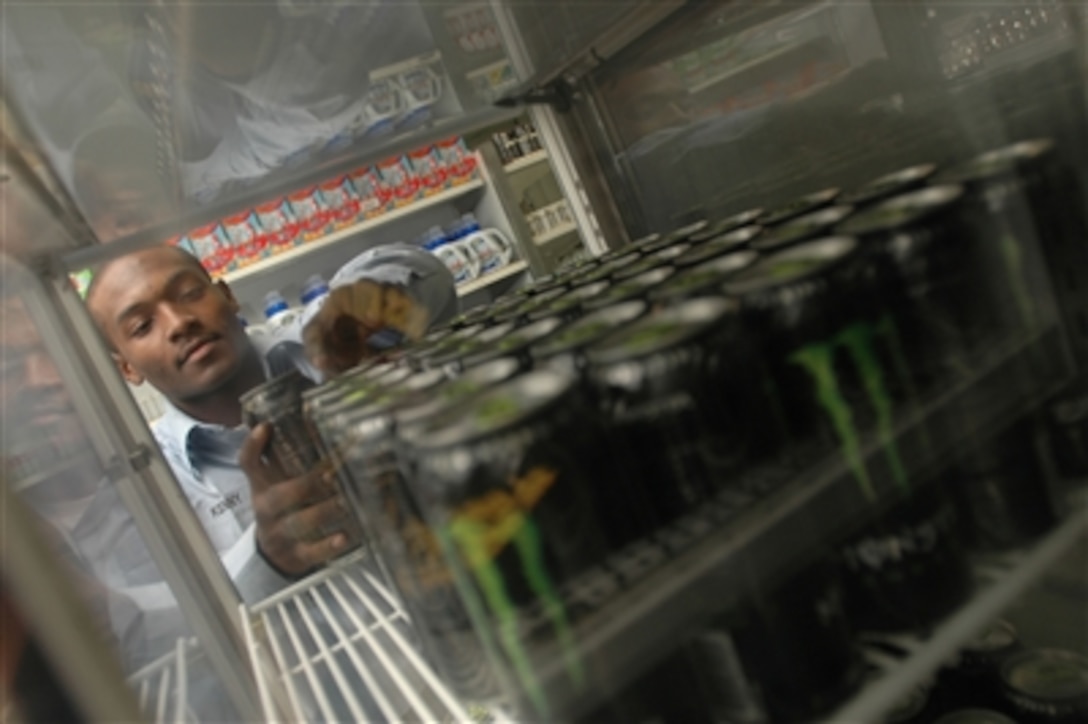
(41, 373)
(178, 320)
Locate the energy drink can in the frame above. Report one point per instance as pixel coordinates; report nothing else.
(1046, 686)
(509, 483)
(1002, 490)
(565, 349)
(794, 311)
(907, 570)
(278, 404)
(664, 383)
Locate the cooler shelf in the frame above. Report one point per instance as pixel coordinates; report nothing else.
(776, 521)
(162, 687)
(390, 216)
(511, 269)
(1002, 579)
(344, 651)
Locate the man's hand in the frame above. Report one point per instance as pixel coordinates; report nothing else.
(336, 338)
(301, 522)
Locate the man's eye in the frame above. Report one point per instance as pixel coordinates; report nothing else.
(192, 294)
(141, 328)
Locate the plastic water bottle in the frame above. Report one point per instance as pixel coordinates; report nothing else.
(314, 288)
(433, 238)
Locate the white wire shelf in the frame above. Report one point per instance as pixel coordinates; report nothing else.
(344, 650)
(390, 216)
(162, 687)
(1001, 580)
(511, 269)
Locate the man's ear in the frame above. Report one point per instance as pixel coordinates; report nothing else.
(127, 370)
(225, 288)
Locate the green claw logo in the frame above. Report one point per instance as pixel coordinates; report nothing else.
(858, 341)
(480, 530)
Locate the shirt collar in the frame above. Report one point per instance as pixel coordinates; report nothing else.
(175, 429)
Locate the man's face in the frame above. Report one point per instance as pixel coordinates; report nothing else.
(37, 411)
(169, 324)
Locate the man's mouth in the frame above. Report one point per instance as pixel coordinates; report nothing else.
(195, 347)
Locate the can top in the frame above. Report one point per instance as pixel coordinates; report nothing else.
(469, 318)
(500, 408)
(685, 232)
(796, 264)
(736, 221)
(901, 211)
(999, 635)
(642, 266)
(467, 345)
(630, 287)
(974, 716)
(621, 256)
(474, 381)
(999, 162)
(808, 202)
(718, 246)
(648, 239)
(589, 328)
(573, 299)
(803, 227)
(516, 340)
(889, 184)
(670, 252)
(702, 276)
(661, 331)
(282, 392)
(1049, 675)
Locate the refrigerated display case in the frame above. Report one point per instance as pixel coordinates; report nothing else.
(800, 438)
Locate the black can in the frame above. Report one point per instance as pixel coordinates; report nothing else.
(514, 344)
(925, 269)
(470, 318)
(888, 185)
(278, 404)
(799, 207)
(509, 482)
(796, 643)
(1002, 490)
(1020, 200)
(973, 678)
(736, 221)
(408, 548)
(810, 226)
(702, 280)
(636, 287)
(1046, 686)
(794, 309)
(570, 343)
(665, 385)
(736, 240)
(908, 570)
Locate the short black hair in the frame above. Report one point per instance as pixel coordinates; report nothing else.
(98, 272)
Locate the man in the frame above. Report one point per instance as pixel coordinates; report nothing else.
(169, 324)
